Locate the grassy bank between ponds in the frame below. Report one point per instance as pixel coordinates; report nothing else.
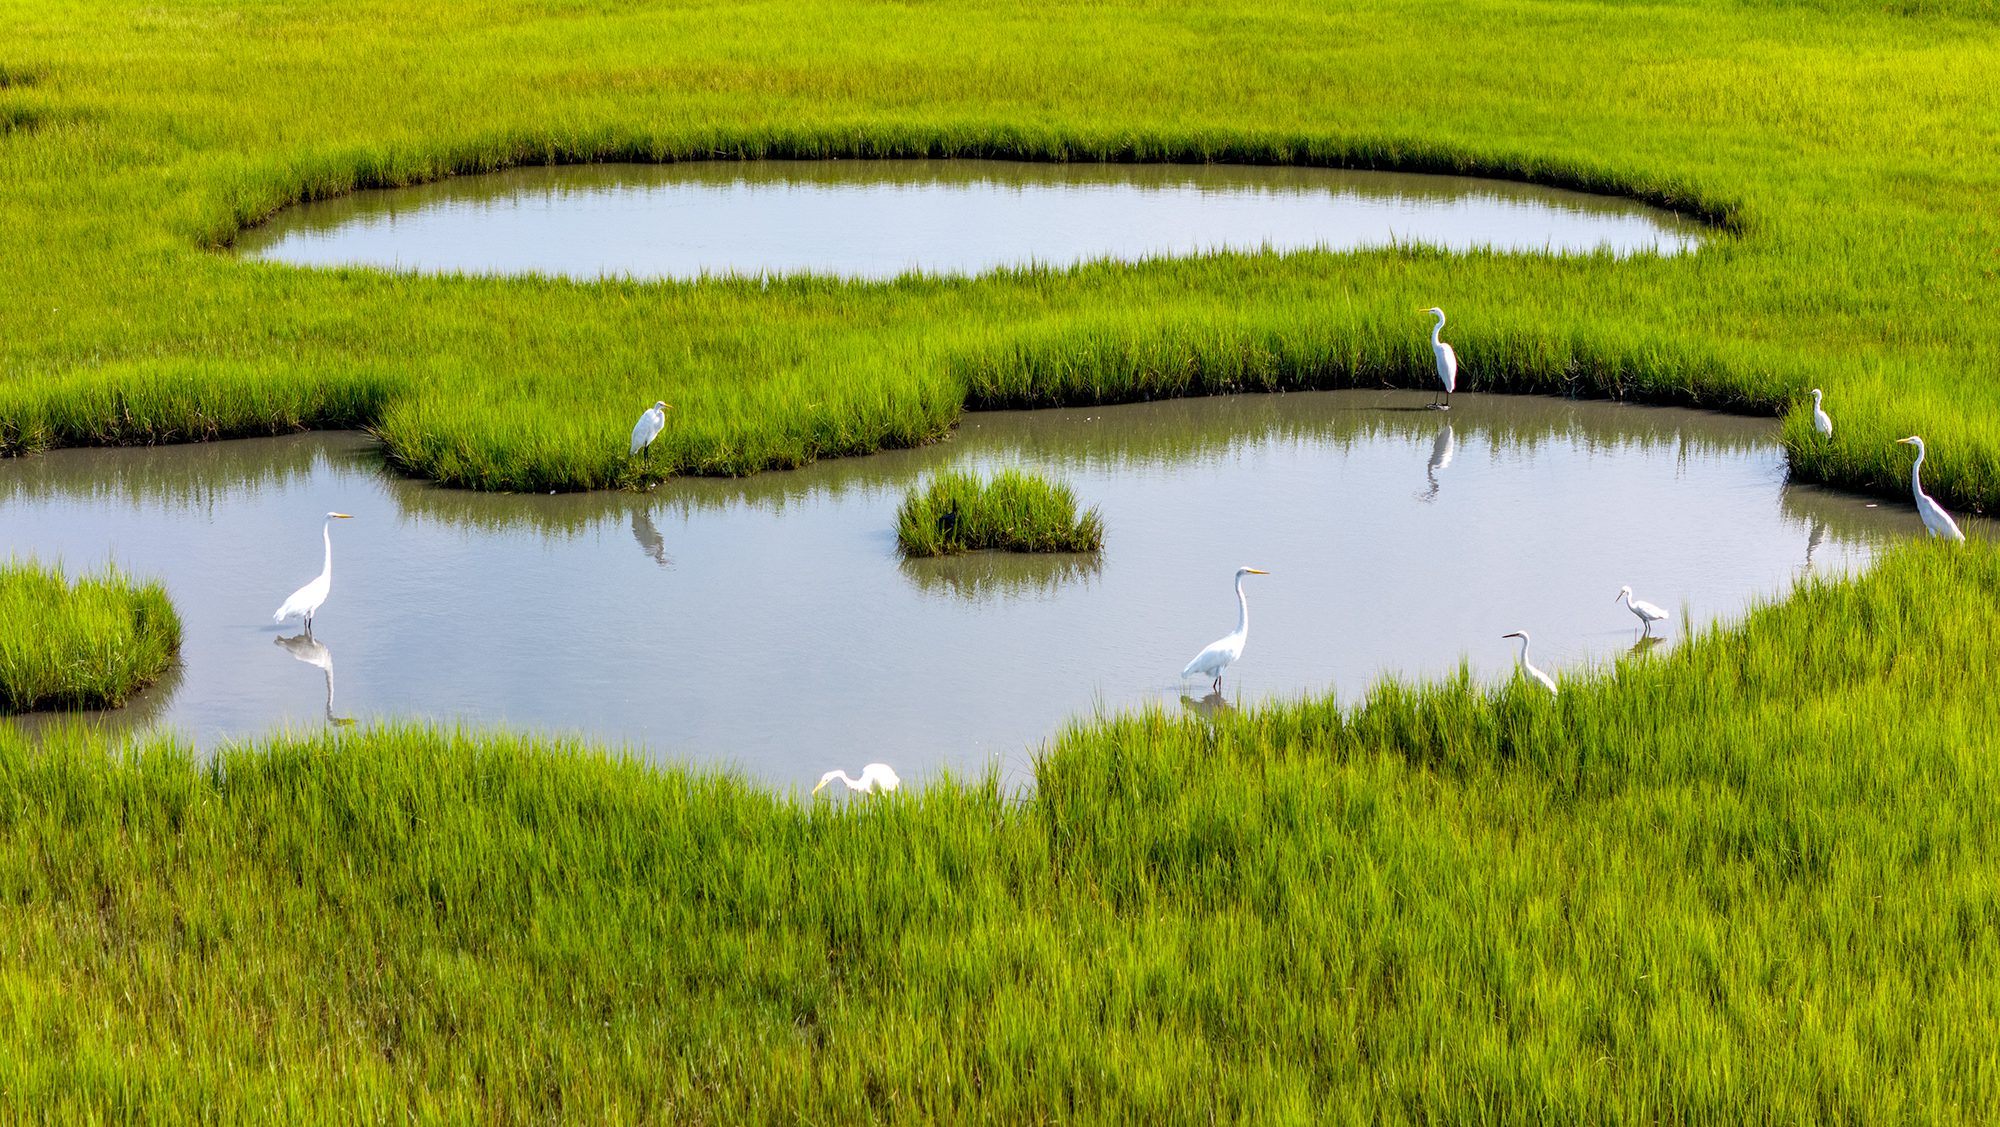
(1013, 511)
(1837, 144)
(1734, 883)
(86, 643)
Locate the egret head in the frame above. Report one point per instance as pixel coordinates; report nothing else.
(1623, 593)
(825, 779)
(1521, 634)
(1815, 395)
(1248, 570)
(1913, 440)
(662, 405)
(1433, 311)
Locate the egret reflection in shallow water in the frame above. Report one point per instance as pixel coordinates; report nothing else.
(649, 538)
(1443, 448)
(313, 652)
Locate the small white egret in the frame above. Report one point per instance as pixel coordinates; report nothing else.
(1935, 518)
(1447, 362)
(1647, 612)
(1224, 651)
(305, 601)
(874, 777)
(1822, 422)
(649, 426)
(1545, 679)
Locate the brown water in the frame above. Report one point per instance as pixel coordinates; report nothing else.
(878, 219)
(768, 623)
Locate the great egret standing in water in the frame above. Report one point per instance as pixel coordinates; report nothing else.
(1221, 653)
(874, 777)
(649, 426)
(1647, 612)
(1545, 679)
(1822, 422)
(305, 601)
(1447, 362)
(1935, 518)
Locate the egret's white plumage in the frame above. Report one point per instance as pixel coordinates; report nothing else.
(1935, 518)
(874, 777)
(1647, 612)
(1822, 422)
(305, 601)
(1447, 361)
(1528, 667)
(1224, 651)
(649, 426)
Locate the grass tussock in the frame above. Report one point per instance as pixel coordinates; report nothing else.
(1696, 888)
(1013, 511)
(90, 643)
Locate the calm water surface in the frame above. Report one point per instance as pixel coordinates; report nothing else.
(767, 623)
(879, 219)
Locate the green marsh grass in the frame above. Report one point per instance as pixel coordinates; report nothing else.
(1731, 883)
(1012, 511)
(82, 644)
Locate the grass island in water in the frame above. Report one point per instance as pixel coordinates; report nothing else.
(1013, 511)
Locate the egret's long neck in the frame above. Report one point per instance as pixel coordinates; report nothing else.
(326, 534)
(1524, 649)
(1916, 470)
(1243, 608)
(1436, 329)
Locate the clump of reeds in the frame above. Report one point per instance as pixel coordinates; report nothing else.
(1014, 511)
(88, 644)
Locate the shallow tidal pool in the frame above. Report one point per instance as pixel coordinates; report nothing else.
(767, 623)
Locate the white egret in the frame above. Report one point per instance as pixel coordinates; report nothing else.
(1224, 651)
(874, 777)
(1646, 612)
(1545, 679)
(305, 601)
(649, 426)
(1822, 422)
(1935, 518)
(1447, 362)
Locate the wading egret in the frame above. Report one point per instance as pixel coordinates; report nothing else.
(649, 426)
(1935, 518)
(1822, 422)
(1218, 656)
(1647, 612)
(1526, 666)
(1447, 362)
(874, 777)
(305, 601)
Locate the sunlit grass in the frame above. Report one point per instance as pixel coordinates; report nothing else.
(1012, 511)
(85, 643)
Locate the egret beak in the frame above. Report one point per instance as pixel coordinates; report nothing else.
(822, 783)
(342, 516)
(1906, 441)
(1256, 571)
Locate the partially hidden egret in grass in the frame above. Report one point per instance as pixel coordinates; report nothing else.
(1447, 362)
(1822, 422)
(1646, 612)
(305, 601)
(1224, 651)
(649, 426)
(1528, 667)
(1935, 518)
(874, 777)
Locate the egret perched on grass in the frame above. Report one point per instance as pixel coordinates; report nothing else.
(1528, 667)
(1647, 612)
(1822, 422)
(649, 426)
(306, 600)
(1219, 655)
(1447, 362)
(1935, 518)
(874, 777)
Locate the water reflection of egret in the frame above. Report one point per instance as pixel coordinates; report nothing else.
(313, 652)
(1935, 518)
(1224, 651)
(1443, 448)
(306, 600)
(874, 777)
(649, 538)
(1645, 642)
(1208, 707)
(1528, 667)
